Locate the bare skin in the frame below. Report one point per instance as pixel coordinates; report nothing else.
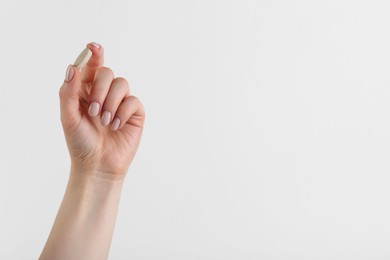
(101, 149)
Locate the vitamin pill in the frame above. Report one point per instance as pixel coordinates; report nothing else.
(83, 58)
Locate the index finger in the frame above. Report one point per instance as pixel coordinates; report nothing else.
(96, 61)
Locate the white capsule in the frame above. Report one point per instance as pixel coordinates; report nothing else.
(83, 58)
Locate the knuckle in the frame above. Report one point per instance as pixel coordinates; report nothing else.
(105, 71)
(130, 102)
(122, 83)
(135, 102)
(133, 99)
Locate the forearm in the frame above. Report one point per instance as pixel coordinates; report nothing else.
(85, 221)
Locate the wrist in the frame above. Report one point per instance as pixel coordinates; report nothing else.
(93, 173)
(93, 181)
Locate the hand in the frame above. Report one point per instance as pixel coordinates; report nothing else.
(102, 122)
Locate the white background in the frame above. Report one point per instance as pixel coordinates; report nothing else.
(267, 132)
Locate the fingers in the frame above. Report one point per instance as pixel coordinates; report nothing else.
(69, 98)
(130, 111)
(96, 61)
(118, 90)
(110, 99)
(100, 88)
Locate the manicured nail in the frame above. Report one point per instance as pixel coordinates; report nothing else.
(97, 45)
(106, 118)
(69, 73)
(115, 124)
(93, 109)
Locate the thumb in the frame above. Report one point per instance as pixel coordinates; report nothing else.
(69, 98)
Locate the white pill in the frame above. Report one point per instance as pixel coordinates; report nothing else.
(83, 58)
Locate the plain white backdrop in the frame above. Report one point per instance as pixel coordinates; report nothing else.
(267, 133)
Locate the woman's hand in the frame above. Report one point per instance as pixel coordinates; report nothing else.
(102, 122)
(103, 125)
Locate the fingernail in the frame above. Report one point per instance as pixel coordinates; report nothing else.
(115, 124)
(69, 73)
(93, 109)
(97, 45)
(106, 118)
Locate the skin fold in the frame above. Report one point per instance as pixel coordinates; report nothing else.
(102, 124)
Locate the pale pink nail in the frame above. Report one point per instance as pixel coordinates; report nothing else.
(93, 109)
(69, 73)
(106, 118)
(115, 124)
(97, 45)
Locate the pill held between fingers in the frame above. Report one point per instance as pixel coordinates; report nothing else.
(83, 58)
